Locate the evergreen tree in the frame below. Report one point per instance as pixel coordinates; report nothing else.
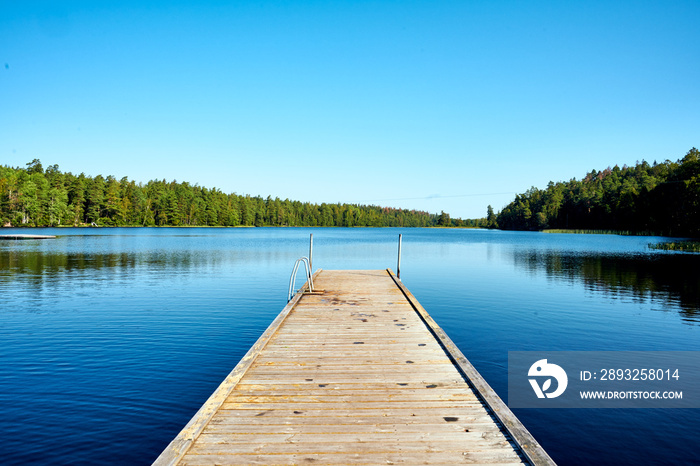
(491, 221)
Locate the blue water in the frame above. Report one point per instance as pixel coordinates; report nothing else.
(111, 339)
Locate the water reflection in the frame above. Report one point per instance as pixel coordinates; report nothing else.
(45, 265)
(672, 280)
(133, 329)
(64, 278)
(41, 263)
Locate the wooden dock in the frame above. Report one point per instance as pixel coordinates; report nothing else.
(357, 374)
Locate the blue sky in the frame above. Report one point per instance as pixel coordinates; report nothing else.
(429, 105)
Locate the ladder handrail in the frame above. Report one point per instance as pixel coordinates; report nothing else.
(293, 278)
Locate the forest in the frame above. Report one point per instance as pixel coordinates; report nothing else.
(38, 197)
(659, 198)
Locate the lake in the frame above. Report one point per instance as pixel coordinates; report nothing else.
(113, 338)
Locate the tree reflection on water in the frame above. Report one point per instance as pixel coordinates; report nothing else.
(670, 279)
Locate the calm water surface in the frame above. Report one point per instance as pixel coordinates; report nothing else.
(111, 339)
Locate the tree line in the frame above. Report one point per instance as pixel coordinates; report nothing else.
(661, 198)
(34, 197)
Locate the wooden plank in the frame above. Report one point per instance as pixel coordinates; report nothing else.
(448, 458)
(352, 445)
(393, 391)
(432, 357)
(384, 395)
(487, 425)
(300, 372)
(397, 419)
(354, 375)
(340, 402)
(331, 441)
(392, 384)
(345, 379)
(452, 413)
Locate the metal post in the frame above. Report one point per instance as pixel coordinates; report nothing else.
(398, 265)
(311, 252)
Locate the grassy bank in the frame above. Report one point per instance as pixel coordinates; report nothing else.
(590, 232)
(685, 246)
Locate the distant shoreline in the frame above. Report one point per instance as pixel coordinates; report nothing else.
(239, 226)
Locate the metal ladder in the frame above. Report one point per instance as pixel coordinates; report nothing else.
(293, 279)
(309, 277)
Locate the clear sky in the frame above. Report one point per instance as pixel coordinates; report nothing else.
(429, 105)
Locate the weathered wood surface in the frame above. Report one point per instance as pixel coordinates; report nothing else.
(20, 237)
(355, 375)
